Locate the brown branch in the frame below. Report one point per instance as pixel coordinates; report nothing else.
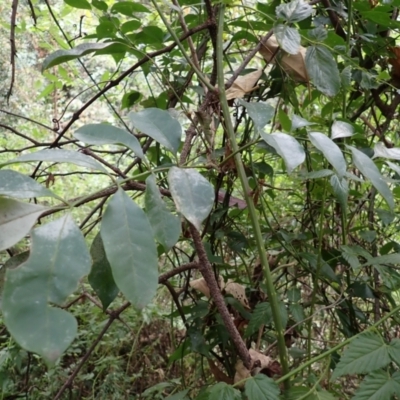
(334, 19)
(209, 277)
(13, 51)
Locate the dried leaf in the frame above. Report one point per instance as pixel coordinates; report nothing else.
(238, 292)
(201, 285)
(294, 65)
(264, 360)
(243, 85)
(241, 372)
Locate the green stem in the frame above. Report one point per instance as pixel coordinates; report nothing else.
(272, 295)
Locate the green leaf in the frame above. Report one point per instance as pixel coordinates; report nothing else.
(261, 387)
(295, 11)
(130, 98)
(323, 70)
(159, 125)
(100, 277)
(371, 172)
(16, 220)
(297, 312)
(178, 396)
(18, 185)
(288, 38)
(222, 391)
(262, 315)
(58, 259)
(340, 187)
(394, 167)
(260, 113)
(394, 351)
(318, 34)
(287, 147)
(378, 385)
(192, 193)
(365, 353)
(128, 8)
(299, 122)
(81, 4)
(323, 173)
(59, 155)
(130, 249)
(393, 258)
(330, 150)
(107, 134)
(166, 226)
(380, 150)
(100, 5)
(341, 129)
(62, 56)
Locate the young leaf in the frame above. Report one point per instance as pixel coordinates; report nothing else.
(159, 125)
(330, 150)
(16, 220)
(223, 391)
(288, 38)
(371, 172)
(15, 184)
(365, 353)
(341, 129)
(287, 147)
(261, 387)
(295, 11)
(166, 226)
(378, 385)
(260, 113)
(59, 155)
(323, 70)
(58, 259)
(108, 134)
(192, 193)
(130, 248)
(100, 277)
(62, 56)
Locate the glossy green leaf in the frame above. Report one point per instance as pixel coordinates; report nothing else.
(223, 391)
(192, 193)
(159, 125)
(15, 184)
(322, 69)
(368, 168)
(287, 147)
(128, 8)
(340, 187)
(81, 4)
(59, 155)
(62, 56)
(260, 387)
(166, 226)
(294, 11)
(107, 134)
(130, 248)
(58, 259)
(100, 5)
(288, 38)
(341, 129)
(100, 277)
(260, 113)
(378, 385)
(366, 353)
(330, 150)
(16, 220)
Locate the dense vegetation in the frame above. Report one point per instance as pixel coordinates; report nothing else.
(198, 199)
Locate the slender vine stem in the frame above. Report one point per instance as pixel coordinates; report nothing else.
(272, 295)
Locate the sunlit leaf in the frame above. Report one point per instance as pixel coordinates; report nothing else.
(82, 4)
(287, 147)
(294, 11)
(288, 38)
(323, 70)
(341, 129)
(330, 150)
(100, 277)
(159, 125)
(59, 155)
(260, 387)
(128, 8)
(130, 248)
(192, 193)
(16, 220)
(62, 56)
(299, 122)
(166, 226)
(58, 259)
(341, 189)
(15, 184)
(380, 150)
(108, 134)
(366, 353)
(371, 172)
